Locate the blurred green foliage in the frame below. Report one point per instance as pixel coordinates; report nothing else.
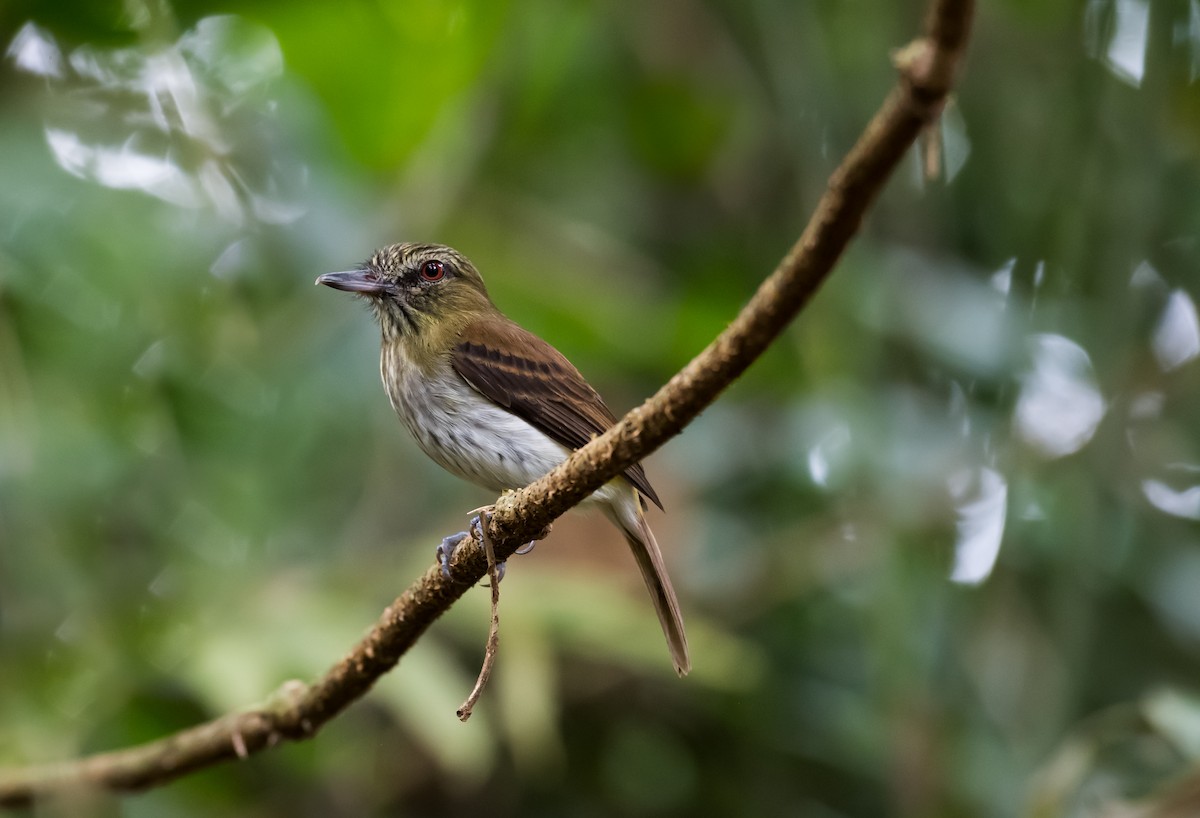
(203, 492)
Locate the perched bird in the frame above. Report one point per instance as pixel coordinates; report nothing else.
(490, 401)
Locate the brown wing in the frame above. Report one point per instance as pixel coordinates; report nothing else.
(537, 384)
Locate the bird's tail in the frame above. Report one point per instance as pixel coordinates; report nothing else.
(650, 561)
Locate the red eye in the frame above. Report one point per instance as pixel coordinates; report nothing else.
(433, 271)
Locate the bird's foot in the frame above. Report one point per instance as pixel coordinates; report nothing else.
(445, 551)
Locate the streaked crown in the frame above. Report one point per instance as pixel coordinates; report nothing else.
(409, 264)
(417, 290)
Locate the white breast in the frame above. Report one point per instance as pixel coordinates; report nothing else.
(464, 432)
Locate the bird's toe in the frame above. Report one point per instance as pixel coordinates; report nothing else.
(445, 551)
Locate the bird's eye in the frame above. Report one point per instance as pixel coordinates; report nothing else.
(433, 271)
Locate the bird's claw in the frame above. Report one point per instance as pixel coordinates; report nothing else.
(445, 551)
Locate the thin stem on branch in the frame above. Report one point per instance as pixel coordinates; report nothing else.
(493, 640)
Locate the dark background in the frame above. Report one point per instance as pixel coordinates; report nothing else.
(203, 491)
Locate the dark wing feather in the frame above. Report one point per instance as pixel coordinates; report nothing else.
(538, 384)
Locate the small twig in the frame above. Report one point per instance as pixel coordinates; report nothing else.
(493, 640)
(239, 745)
(931, 150)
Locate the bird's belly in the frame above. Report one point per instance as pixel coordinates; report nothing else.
(471, 437)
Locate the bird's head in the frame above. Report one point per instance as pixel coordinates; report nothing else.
(418, 291)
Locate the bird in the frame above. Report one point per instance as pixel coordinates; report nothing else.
(491, 402)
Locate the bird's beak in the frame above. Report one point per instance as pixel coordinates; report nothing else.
(354, 281)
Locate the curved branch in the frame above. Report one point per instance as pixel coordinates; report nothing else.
(927, 69)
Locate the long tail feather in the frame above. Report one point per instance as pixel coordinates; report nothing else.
(654, 572)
